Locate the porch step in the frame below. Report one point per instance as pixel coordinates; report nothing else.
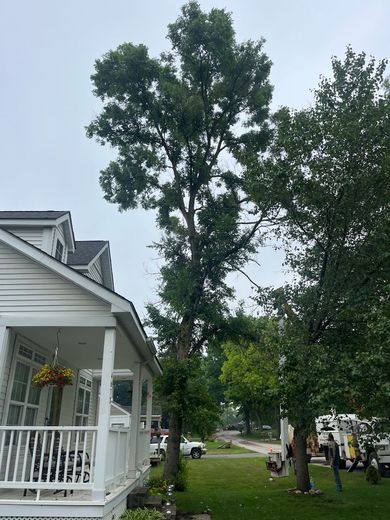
(137, 497)
(153, 501)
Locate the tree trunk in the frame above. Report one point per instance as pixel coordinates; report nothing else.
(247, 419)
(301, 466)
(277, 419)
(173, 450)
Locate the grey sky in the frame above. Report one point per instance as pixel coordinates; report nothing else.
(47, 52)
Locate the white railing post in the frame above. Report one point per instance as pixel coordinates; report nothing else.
(135, 419)
(99, 490)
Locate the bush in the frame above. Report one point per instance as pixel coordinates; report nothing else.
(158, 486)
(372, 475)
(181, 480)
(142, 514)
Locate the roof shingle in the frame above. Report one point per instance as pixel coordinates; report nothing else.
(34, 215)
(85, 251)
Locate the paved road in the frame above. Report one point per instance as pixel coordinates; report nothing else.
(256, 446)
(260, 448)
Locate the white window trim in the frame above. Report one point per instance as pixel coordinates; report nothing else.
(88, 389)
(15, 358)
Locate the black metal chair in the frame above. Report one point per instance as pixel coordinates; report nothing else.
(58, 468)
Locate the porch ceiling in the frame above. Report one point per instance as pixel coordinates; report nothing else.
(81, 347)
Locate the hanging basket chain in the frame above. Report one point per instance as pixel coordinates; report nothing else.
(54, 374)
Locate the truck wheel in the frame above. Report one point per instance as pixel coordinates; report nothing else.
(196, 453)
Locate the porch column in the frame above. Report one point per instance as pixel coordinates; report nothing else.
(149, 404)
(99, 491)
(4, 339)
(135, 419)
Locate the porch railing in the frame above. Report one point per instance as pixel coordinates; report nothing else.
(117, 456)
(44, 457)
(143, 452)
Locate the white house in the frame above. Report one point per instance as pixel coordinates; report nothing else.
(121, 416)
(56, 293)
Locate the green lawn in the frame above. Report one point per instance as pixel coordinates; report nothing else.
(261, 435)
(234, 489)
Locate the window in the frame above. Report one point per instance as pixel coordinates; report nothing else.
(24, 402)
(59, 251)
(83, 401)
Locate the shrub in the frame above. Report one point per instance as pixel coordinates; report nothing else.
(158, 486)
(372, 475)
(142, 514)
(181, 480)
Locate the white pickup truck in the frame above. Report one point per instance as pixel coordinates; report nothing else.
(188, 448)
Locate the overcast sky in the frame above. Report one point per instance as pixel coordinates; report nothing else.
(47, 53)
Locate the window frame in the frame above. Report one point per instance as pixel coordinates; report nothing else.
(84, 384)
(59, 252)
(33, 363)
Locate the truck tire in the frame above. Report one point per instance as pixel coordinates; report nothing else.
(196, 453)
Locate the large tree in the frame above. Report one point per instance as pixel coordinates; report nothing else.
(182, 124)
(330, 166)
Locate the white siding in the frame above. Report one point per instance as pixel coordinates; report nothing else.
(96, 271)
(32, 235)
(68, 404)
(28, 287)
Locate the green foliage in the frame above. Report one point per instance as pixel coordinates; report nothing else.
(183, 389)
(176, 122)
(330, 170)
(250, 372)
(142, 514)
(372, 475)
(157, 485)
(181, 478)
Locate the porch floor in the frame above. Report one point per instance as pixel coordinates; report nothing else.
(48, 495)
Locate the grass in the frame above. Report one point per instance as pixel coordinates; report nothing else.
(232, 489)
(261, 435)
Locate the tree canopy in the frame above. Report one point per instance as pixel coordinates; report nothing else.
(329, 165)
(182, 124)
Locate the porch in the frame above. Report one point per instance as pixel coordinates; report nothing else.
(81, 462)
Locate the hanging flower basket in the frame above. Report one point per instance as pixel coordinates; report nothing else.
(54, 375)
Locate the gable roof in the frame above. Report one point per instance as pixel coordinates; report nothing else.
(34, 215)
(121, 307)
(85, 251)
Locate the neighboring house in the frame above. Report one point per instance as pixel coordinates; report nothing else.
(57, 292)
(121, 416)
